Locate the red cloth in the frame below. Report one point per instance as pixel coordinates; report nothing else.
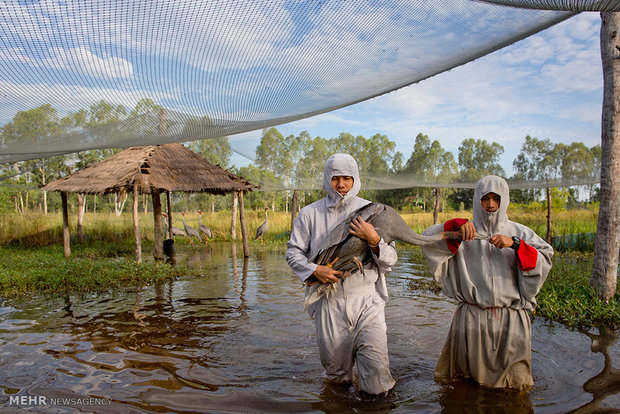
(526, 257)
(453, 225)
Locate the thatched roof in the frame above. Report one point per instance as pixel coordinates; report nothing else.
(170, 167)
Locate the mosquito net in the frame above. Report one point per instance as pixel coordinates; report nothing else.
(132, 73)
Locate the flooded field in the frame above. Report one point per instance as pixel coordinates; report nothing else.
(238, 340)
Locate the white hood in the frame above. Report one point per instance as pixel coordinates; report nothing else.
(485, 222)
(340, 165)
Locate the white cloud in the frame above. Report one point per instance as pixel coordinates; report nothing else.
(83, 61)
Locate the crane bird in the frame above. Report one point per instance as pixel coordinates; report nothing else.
(191, 232)
(204, 229)
(262, 229)
(176, 231)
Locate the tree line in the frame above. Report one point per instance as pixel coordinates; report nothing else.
(297, 161)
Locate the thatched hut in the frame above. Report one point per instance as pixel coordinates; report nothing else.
(152, 170)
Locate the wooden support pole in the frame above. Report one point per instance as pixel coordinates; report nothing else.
(233, 224)
(169, 202)
(158, 248)
(136, 224)
(80, 216)
(65, 225)
(244, 235)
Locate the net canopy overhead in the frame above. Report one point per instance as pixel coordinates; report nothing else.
(205, 69)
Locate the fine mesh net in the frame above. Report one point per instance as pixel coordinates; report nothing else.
(178, 71)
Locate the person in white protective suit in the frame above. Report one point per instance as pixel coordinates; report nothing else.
(350, 321)
(494, 274)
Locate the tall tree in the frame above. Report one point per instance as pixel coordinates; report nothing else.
(607, 245)
(33, 127)
(476, 158)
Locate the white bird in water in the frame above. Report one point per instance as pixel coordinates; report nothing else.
(262, 229)
(204, 229)
(191, 232)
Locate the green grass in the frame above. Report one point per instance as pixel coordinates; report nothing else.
(94, 267)
(565, 296)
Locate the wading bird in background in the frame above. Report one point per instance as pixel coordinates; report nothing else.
(176, 231)
(204, 229)
(262, 229)
(191, 232)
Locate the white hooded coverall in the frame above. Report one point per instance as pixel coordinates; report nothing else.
(490, 336)
(350, 322)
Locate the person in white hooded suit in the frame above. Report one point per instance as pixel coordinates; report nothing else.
(494, 273)
(350, 321)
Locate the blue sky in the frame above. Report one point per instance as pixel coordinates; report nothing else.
(548, 86)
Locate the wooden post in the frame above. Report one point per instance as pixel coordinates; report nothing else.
(294, 207)
(604, 278)
(169, 202)
(65, 225)
(233, 224)
(244, 235)
(158, 248)
(549, 219)
(437, 202)
(80, 216)
(136, 224)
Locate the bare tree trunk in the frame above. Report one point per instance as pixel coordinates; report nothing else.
(136, 224)
(233, 224)
(294, 207)
(158, 248)
(80, 217)
(437, 203)
(549, 218)
(66, 237)
(213, 205)
(607, 245)
(244, 234)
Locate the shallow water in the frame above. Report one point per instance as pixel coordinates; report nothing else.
(238, 340)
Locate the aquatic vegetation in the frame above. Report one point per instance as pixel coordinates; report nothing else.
(96, 267)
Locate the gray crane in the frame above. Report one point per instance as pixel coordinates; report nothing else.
(262, 229)
(191, 232)
(204, 229)
(176, 231)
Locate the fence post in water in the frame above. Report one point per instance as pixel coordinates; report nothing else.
(136, 224)
(244, 235)
(65, 225)
(549, 220)
(158, 248)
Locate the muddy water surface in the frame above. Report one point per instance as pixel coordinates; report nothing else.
(237, 340)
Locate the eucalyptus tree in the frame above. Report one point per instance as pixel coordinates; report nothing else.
(34, 127)
(476, 158)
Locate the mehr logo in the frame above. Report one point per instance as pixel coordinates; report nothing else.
(27, 400)
(38, 400)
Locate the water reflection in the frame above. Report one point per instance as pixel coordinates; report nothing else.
(237, 340)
